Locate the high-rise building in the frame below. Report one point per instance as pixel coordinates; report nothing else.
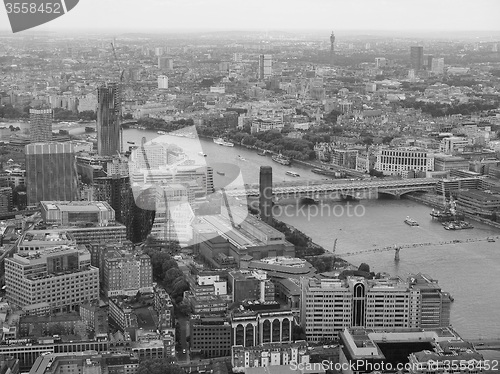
(116, 191)
(51, 172)
(265, 194)
(165, 63)
(380, 62)
(437, 65)
(417, 57)
(265, 66)
(5, 200)
(40, 125)
(159, 51)
(332, 48)
(162, 82)
(61, 277)
(237, 57)
(108, 119)
(376, 304)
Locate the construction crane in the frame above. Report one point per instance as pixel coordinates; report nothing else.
(117, 62)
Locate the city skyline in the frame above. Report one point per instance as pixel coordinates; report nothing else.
(384, 15)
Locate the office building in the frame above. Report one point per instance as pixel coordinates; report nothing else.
(401, 161)
(417, 58)
(265, 66)
(126, 273)
(266, 194)
(252, 328)
(375, 304)
(40, 125)
(60, 276)
(251, 285)
(210, 336)
(478, 202)
(269, 354)
(68, 213)
(108, 120)
(453, 145)
(5, 200)
(437, 66)
(51, 172)
(117, 192)
(174, 214)
(87, 362)
(197, 179)
(448, 162)
(347, 158)
(162, 82)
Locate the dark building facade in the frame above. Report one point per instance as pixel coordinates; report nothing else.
(117, 192)
(211, 336)
(265, 194)
(51, 172)
(417, 57)
(108, 119)
(40, 125)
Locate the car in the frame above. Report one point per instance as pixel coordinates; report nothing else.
(184, 350)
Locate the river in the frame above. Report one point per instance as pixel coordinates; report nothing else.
(466, 270)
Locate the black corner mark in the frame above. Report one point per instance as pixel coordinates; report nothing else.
(26, 14)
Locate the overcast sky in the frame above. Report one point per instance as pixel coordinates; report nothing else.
(147, 15)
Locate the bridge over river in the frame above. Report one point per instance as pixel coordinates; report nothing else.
(356, 189)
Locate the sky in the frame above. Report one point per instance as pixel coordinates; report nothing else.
(150, 15)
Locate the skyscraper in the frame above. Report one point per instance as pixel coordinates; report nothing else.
(417, 58)
(265, 194)
(165, 63)
(265, 66)
(162, 82)
(108, 119)
(51, 172)
(40, 125)
(437, 65)
(332, 50)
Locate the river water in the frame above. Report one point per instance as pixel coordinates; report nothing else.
(466, 270)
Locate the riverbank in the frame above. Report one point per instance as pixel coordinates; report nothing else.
(426, 200)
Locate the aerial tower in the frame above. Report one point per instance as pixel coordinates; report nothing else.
(332, 49)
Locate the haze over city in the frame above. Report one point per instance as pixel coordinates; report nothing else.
(159, 15)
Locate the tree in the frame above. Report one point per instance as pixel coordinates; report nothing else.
(364, 267)
(158, 366)
(171, 275)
